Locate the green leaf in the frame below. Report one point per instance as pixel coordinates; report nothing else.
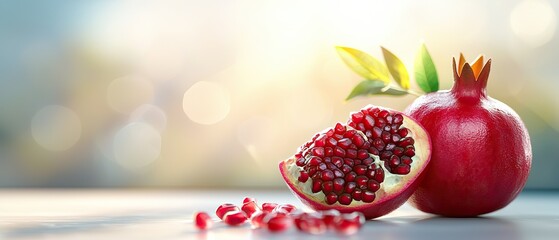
(364, 64)
(425, 71)
(397, 69)
(374, 87)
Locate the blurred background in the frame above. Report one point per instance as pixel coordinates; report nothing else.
(212, 94)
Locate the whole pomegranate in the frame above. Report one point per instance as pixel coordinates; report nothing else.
(481, 153)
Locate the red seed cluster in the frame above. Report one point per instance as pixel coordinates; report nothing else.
(389, 140)
(338, 163)
(277, 218)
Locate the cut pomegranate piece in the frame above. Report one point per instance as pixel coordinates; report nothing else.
(364, 166)
(235, 218)
(224, 208)
(202, 220)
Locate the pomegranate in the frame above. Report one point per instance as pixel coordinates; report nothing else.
(369, 165)
(481, 150)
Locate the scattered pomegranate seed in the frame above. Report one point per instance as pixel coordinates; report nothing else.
(278, 222)
(285, 208)
(280, 217)
(349, 223)
(310, 223)
(202, 220)
(329, 216)
(257, 219)
(250, 208)
(235, 218)
(249, 199)
(224, 208)
(269, 207)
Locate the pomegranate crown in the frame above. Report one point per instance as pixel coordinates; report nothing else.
(471, 79)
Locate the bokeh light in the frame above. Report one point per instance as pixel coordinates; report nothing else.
(150, 114)
(56, 128)
(533, 22)
(124, 94)
(136, 145)
(206, 102)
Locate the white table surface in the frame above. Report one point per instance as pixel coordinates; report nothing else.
(167, 214)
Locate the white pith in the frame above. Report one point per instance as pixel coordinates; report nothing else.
(392, 182)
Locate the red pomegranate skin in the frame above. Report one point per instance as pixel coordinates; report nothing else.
(481, 149)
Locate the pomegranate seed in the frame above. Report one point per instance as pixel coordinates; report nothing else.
(338, 161)
(329, 216)
(357, 194)
(235, 218)
(351, 153)
(360, 169)
(285, 208)
(310, 223)
(278, 222)
(345, 199)
(369, 121)
(257, 219)
(348, 224)
(362, 154)
(358, 140)
(398, 118)
(328, 152)
(406, 160)
(394, 160)
(250, 208)
(202, 220)
(318, 151)
(390, 147)
(269, 207)
(331, 142)
(338, 151)
(406, 142)
(346, 169)
(303, 176)
(383, 113)
(338, 185)
(377, 131)
(225, 208)
(378, 144)
(403, 132)
(409, 151)
(327, 175)
(402, 169)
(361, 182)
(385, 136)
(357, 117)
(367, 196)
(339, 128)
(338, 173)
(350, 177)
(331, 198)
(373, 185)
(349, 187)
(379, 175)
(327, 186)
(316, 186)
